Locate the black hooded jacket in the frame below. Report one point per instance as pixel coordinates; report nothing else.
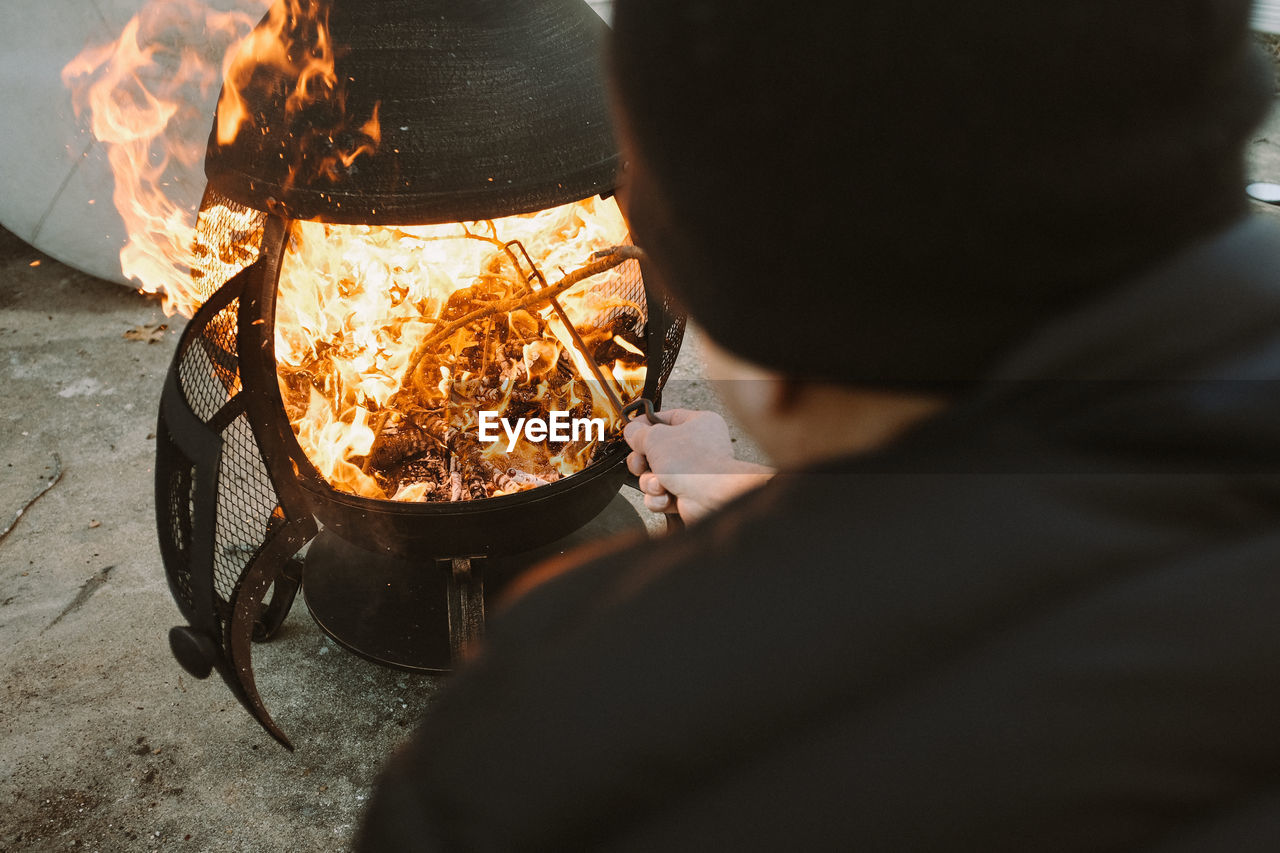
(1047, 620)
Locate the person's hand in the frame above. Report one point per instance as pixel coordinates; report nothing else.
(687, 466)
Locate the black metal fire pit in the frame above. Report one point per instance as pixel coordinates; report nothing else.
(237, 499)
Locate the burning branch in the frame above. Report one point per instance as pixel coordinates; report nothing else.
(603, 261)
(576, 339)
(389, 349)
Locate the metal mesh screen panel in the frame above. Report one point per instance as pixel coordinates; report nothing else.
(629, 286)
(672, 334)
(626, 287)
(247, 502)
(665, 338)
(211, 357)
(246, 508)
(228, 238)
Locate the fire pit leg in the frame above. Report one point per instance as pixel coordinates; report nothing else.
(466, 604)
(285, 589)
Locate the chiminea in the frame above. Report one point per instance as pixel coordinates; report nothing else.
(447, 162)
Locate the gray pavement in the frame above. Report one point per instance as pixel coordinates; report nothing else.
(105, 744)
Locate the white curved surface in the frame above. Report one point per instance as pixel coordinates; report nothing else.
(55, 183)
(604, 8)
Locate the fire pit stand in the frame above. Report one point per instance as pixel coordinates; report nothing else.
(237, 499)
(424, 112)
(403, 614)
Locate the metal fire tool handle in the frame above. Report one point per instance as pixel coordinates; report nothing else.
(644, 406)
(466, 604)
(605, 386)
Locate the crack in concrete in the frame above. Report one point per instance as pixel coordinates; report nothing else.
(87, 589)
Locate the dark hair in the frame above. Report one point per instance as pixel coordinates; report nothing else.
(896, 193)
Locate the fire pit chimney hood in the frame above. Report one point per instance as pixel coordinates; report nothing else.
(483, 108)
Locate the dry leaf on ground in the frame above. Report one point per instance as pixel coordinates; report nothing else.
(149, 333)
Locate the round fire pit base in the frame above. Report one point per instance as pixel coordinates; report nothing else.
(395, 612)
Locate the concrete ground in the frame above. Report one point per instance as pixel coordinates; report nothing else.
(105, 744)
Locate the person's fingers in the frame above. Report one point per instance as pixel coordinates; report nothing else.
(637, 463)
(658, 503)
(644, 437)
(675, 417)
(650, 485)
(635, 431)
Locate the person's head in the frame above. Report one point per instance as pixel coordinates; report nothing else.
(893, 195)
(798, 422)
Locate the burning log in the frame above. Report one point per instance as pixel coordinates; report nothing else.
(429, 470)
(449, 460)
(438, 429)
(475, 486)
(395, 444)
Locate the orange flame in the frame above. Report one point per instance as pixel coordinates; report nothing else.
(293, 46)
(141, 94)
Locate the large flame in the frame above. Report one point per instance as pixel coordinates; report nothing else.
(140, 95)
(354, 303)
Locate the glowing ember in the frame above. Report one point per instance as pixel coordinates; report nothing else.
(379, 417)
